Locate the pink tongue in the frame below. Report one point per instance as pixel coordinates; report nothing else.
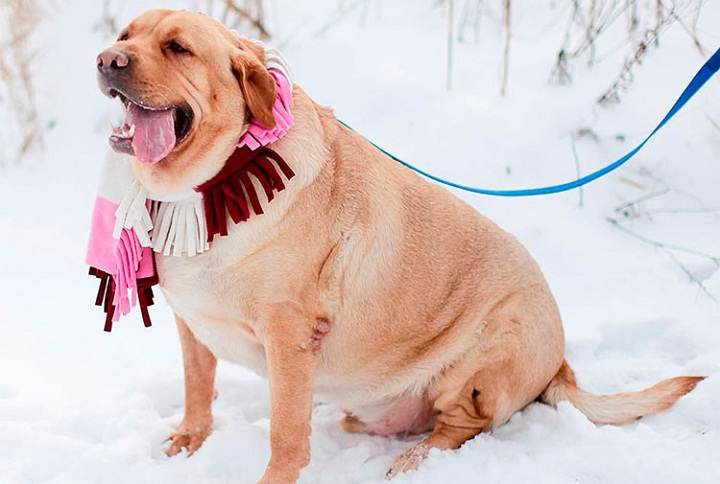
(154, 136)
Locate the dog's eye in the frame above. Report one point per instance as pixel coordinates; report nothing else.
(173, 46)
(123, 37)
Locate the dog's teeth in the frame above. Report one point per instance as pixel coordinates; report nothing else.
(125, 131)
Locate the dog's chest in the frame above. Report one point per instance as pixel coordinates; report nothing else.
(217, 307)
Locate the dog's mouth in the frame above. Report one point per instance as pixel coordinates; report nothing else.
(149, 133)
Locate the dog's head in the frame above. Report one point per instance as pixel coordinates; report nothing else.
(188, 86)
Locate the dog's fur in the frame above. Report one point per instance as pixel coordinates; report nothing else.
(362, 283)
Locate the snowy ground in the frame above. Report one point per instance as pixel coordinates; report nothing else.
(81, 406)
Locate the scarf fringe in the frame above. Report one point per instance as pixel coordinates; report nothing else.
(132, 213)
(179, 227)
(258, 135)
(122, 290)
(232, 192)
(106, 296)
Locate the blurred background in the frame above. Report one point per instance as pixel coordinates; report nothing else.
(491, 93)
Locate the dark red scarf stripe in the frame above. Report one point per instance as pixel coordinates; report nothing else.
(231, 192)
(106, 294)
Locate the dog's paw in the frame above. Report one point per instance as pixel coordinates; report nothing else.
(408, 460)
(190, 435)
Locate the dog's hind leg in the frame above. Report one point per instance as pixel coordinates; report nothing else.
(199, 364)
(463, 413)
(518, 352)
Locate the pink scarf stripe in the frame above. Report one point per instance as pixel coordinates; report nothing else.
(125, 260)
(258, 135)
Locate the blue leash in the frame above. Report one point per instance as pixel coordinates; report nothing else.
(705, 73)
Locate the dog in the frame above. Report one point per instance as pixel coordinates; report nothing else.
(360, 283)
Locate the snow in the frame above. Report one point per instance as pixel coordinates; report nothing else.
(81, 406)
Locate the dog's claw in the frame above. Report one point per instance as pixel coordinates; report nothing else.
(408, 460)
(189, 436)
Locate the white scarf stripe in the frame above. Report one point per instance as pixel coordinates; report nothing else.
(179, 227)
(132, 214)
(203, 243)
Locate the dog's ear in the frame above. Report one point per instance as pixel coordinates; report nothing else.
(256, 83)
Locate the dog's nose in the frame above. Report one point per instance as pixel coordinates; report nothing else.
(112, 60)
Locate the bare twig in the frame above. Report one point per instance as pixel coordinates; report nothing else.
(507, 14)
(581, 193)
(633, 21)
(631, 182)
(714, 123)
(598, 21)
(696, 18)
(612, 94)
(450, 38)
(470, 17)
(601, 15)
(668, 249)
(226, 12)
(658, 18)
(254, 20)
(590, 33)
(683, 210)
(688, 30)
(690, 275)
(561, 73)
(624, 208)
(19, 22)
(647, 173)
(108, 23)
(663, 245)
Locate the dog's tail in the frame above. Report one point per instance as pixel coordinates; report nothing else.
(617, 408)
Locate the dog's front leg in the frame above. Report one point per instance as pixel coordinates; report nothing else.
(292, 347)
(199, 364)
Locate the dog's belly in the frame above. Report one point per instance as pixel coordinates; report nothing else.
(375, 411)
(412, 415)
(388, 416)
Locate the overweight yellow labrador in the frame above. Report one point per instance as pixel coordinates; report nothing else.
(361, 283)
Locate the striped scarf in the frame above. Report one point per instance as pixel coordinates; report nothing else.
(129, 225)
